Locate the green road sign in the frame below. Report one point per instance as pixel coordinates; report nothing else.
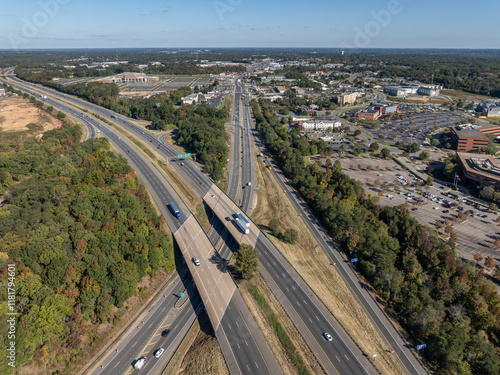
(179, 156)
(187, 155)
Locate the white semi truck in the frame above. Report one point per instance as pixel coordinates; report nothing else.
(241, 225)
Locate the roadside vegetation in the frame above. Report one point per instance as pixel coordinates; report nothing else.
(438, 298)
(84, 238)
(284, 338)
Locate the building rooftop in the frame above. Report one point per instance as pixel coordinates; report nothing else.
(469, 131)
(479, 165)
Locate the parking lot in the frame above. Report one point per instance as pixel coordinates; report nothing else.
(386, 179)
(414, 126)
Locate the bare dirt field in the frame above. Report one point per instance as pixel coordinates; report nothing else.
(19, 115)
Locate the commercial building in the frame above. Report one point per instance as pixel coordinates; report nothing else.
(489, 108)
(190, 99)
(128, 77)
(346, 98)
(405, 90)
(370, 113)
(479, 170)
(385, 108)
(319, 125)
(470, 137)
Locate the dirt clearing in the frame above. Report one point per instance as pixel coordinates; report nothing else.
(19, 115)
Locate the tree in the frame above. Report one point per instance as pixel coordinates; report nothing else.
(435, 142)
(424, 155)
(489, 262)
(290, 236)
(414, 147)
(493, 207)
(61, 115)
(478, 257)
(357, 132)
(429, 181)
(374, 146)
(385, 152)
(274, 226)
(247, 261)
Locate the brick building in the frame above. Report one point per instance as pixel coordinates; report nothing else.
(470, 137)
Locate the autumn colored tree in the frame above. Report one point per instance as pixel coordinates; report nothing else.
(489, 262)
(478, 257)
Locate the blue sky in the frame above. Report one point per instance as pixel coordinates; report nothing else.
(249, 23)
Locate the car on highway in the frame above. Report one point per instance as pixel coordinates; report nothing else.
(165, 333)
(327, 336)
(196, 261)
(159, 352)
(140, 363)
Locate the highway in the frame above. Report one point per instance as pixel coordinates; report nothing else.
(247, 360)
(310, 317)
(312, 328)
(402, 352)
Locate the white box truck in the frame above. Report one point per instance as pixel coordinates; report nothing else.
(241, 226)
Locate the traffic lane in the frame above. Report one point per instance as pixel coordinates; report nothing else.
(361, 295)
(215, 285)
(176, 333)
(237, 332)
(234, 166)
(336, 356)
(131, 347)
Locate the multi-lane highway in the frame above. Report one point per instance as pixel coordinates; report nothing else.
(315, 320)
(252, 355)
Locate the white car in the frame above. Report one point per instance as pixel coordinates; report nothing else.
(159, 352)
(436, 208)
(249, 184)
(196, 261)
(327, 336)
(140, 363)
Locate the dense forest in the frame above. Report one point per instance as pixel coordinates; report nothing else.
(82, 233)
(202, 131)
(439, 299)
